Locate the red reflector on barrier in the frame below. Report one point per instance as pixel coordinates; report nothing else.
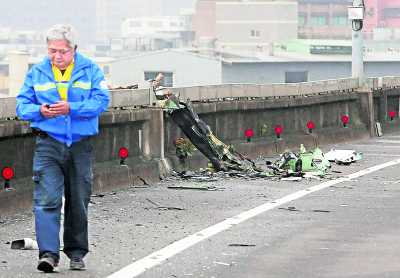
(392, 114)
(123, 153)
(310, 125)
(345, 119)
(278, 130)
(249, 133)
(7, 173)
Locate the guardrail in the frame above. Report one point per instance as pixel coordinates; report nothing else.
(142, 97)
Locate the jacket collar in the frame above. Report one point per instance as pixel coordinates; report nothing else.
(79, 60)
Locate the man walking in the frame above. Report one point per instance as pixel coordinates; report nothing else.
(62, 97)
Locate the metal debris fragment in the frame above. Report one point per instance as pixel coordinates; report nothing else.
(321, 210)
(343, 156)
(195, 187)
(158, 206)
(24, 244)
(241, 245)
(290, 209)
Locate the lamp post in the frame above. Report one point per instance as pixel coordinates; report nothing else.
(356, 15)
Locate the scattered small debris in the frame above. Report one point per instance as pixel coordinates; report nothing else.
(321, 210)
(24, 244)
(290, 209)
(241, 245)
(152, 202)
(336, 171)
(345, 186)
(343, 156)
(292, 179)
(98, 195)
(163, 207)
(195, 187)
(142, 180)
(170, 208)
(221, 263)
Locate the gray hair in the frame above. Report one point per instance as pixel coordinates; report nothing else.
(62, 32)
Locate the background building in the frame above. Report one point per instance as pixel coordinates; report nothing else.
(382, 19)
(180, 68)
(95, 20)
(155, 33)
(39, 15)
(235, 24)
(324, 19)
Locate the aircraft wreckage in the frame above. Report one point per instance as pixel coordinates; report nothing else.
(225, 158)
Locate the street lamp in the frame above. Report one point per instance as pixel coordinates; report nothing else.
(356, 15)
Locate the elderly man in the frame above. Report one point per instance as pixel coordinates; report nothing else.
(62, 97)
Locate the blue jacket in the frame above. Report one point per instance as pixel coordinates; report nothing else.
(87, 96)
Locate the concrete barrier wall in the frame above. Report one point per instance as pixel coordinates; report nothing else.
(148, 133)
(143, 97)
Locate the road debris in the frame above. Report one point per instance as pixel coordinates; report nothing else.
(321, 210)
(290, 209)
(24, 244)
(158, 206)
(241, 245)
(311, 164)
(195, 187)
(291, 166)
(343, 156)
(221, 263)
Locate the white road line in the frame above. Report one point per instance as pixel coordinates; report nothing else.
(156, 258)
(352, 146)
(380, 154)
(386, 141)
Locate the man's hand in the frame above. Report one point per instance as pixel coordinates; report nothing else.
(45, 111)
(59, 108)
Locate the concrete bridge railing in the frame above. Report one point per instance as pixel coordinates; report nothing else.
(143, 97)
(134, 121)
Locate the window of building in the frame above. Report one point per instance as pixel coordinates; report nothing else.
(296, 76)
(106, 69)
(155, 24)
(302, 20)
(391, 13)
(166, 82)
(319, 20)
(340, 20)
(134, 24)
(255, 33)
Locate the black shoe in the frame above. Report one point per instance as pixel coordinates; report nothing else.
(76, 264)
(47, 264)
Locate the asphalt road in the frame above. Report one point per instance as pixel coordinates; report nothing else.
(335, 227)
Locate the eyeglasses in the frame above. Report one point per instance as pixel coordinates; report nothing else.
(53, 51)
